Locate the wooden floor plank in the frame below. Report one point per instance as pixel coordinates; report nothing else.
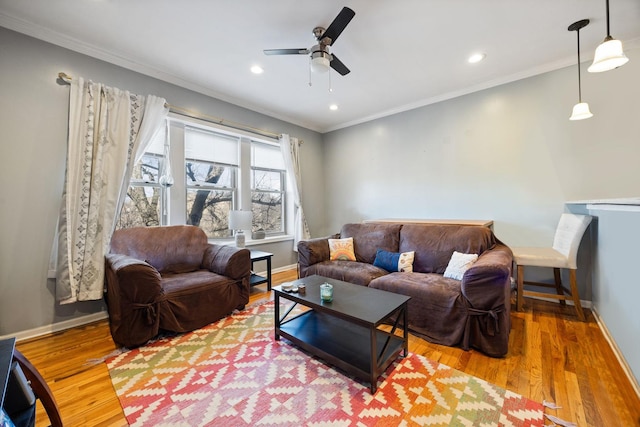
(552, 356)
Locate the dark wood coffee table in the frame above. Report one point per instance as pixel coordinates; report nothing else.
(345, 332)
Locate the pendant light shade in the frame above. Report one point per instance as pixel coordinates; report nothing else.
(581, 109)
(609, 54)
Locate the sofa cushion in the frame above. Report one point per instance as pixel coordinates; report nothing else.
(434, 244)
(359, 273)
(369, 237)
(433, 298)
(341, 250)
(394, 261)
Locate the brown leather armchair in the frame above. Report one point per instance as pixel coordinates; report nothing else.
(170, 278)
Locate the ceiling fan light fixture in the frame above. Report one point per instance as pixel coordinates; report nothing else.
(320, 59)
(609, 55)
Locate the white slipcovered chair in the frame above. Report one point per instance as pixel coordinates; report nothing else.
(563, 254)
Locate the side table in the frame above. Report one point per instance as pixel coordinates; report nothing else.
(256, 279)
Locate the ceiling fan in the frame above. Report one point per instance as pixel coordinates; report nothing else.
(321, 58)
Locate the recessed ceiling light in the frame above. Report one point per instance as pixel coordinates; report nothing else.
(333, 107)
(256, 69)
(476, 57)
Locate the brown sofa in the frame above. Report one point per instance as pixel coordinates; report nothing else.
(472, 312)
(171, 278)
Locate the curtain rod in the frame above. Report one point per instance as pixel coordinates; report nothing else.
(64, 77)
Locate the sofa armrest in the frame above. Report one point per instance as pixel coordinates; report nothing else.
(229, 261)
(487, 284)
(133, 294)
(313, 251)
(132, 279)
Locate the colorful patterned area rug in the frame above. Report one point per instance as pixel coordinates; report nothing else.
(233, 373)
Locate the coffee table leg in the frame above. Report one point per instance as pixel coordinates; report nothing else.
(374, 361)
(406, 330)
(276, 320)
(268, 274)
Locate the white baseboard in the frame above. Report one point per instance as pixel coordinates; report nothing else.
(583, 303)
(278, 270)
(616, 351)
(57, 327)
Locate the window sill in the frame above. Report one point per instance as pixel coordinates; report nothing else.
(256, 242)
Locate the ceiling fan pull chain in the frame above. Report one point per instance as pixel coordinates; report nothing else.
(310, 84)
(330, 86)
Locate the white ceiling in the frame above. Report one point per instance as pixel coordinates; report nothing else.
(402, 54)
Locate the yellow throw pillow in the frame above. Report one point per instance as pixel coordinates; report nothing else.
(341, 250)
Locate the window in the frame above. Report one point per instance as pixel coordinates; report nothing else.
(223, 170)
(211, 163)
(267, 187)
(143, 202)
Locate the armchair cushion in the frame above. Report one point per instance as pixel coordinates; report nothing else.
(173, 249)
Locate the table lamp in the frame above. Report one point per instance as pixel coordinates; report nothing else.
(238, 222)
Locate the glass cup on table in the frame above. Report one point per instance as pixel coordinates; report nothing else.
(326, 292)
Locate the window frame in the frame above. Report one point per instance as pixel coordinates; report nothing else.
(173, 200)
(282, 192)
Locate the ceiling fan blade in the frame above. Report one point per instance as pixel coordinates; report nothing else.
(301, 51)
(337, 65)
(338, 25)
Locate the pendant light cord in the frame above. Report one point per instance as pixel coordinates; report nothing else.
(579, 83)
(608, 31)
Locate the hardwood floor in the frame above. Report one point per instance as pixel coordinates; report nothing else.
(552, 357)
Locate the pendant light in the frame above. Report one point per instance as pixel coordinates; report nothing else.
(581, 109)
(609, 54)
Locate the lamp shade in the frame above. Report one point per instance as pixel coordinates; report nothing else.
(240, 220)
(580, 111)
(609, 55)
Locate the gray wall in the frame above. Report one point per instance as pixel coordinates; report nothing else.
(509, 154)
(33, 128)
(616, 289)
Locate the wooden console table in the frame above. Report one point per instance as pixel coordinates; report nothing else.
(474, 222)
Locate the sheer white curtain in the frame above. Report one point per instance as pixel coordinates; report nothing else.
(108, 130)
(290, 148)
